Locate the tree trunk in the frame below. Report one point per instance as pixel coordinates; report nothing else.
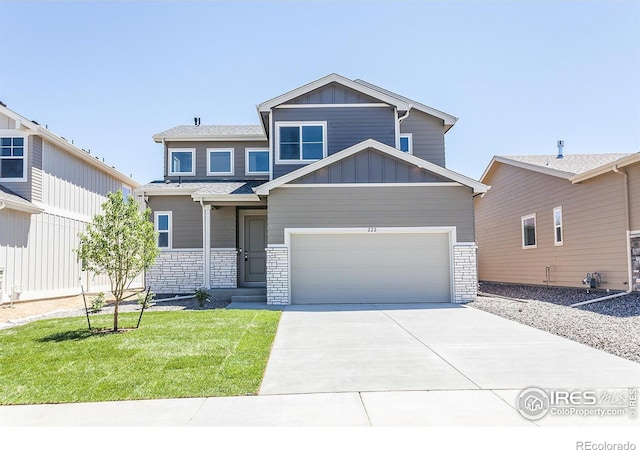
(115, 316)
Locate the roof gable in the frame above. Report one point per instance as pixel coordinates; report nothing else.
(567, 167)
(333, 78)
(368, 146)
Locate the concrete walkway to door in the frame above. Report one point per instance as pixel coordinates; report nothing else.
(429, 356)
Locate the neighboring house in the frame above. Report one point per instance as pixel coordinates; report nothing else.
(49, 190)
(340, 195)
(551, 220)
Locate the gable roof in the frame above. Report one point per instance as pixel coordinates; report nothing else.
(633, 158)
(383, 148)
(11, 200)
(212, 133)
(332, 78)
(35, 128)
(567, 167)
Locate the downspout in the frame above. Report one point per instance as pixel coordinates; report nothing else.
(400, 119)
(629, 268)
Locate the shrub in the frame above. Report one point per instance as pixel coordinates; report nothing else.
(97, 303)
(202, 297)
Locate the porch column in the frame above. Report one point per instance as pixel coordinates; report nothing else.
(206, 246)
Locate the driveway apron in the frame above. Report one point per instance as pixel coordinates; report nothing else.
(369, 348)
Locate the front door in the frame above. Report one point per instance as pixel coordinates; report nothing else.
(253, 257)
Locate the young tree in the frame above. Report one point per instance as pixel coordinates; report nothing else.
(120, 243)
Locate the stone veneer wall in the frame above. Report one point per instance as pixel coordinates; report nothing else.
(277, 275)
(176, 271)
(224, 268)
(465, 273)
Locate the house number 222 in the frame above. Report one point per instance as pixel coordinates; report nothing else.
(372, 230)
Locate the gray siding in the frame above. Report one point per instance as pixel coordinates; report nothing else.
(427, 134)
(201, 159)
(345, 127)
(223, 227)
(396, 206)
(370, 166)
(333, 93)
(187, 219)
(594, 222)
(23, 188)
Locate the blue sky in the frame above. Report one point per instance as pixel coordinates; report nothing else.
(519, 75)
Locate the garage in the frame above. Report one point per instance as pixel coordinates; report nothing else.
(370, 266)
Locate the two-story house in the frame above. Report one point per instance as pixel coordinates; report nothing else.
(339, 195)
(49, 190)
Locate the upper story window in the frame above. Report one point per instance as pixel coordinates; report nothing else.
(529, 231)
(300, 142)
(406, 142)
(182, 161)
(162, 224)
(220, 161)
(13, 159)
(557, 226)
(257, 161)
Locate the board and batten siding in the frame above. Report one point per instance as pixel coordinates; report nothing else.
(633, 172)
(370, 166)
(187, 222)
(427, 134)
(202, 163)
(594, 227)
(38, 251)
(333, 93)
(307, 206)
(345, 127)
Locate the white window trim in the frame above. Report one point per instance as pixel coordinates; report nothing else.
(555, 234)
(535, 230)
(181, 150)
(25, 155)
(410, 136)
(299, 124)
(246, 161)
(231, 152)
(170, 221)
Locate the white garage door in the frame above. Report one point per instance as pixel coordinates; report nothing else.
(370, 268)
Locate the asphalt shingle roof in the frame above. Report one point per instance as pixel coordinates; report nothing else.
(10, 196)
(205, 187)
(211, 130)
(571, 164)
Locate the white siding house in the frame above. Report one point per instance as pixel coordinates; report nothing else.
(49, 191)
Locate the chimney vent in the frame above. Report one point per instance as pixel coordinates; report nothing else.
(196, 121)
(560, 149)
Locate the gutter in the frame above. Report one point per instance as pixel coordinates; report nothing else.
(629, 268)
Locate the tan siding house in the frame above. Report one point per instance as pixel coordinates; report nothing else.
(49, 191)
(551, 221)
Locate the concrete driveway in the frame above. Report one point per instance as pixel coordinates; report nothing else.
(430, 356)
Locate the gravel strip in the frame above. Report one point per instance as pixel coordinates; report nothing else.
(612, 325)
(161, 304)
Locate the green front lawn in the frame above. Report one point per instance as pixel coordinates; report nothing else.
(173, 354)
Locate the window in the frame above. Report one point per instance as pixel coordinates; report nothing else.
(163, 227)
(220, 161)
(529, 231)
(257, 161)
(13, 161)
(126, 192)
(406, 142)
(181, 161)
(557, 225)
(300, 142)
